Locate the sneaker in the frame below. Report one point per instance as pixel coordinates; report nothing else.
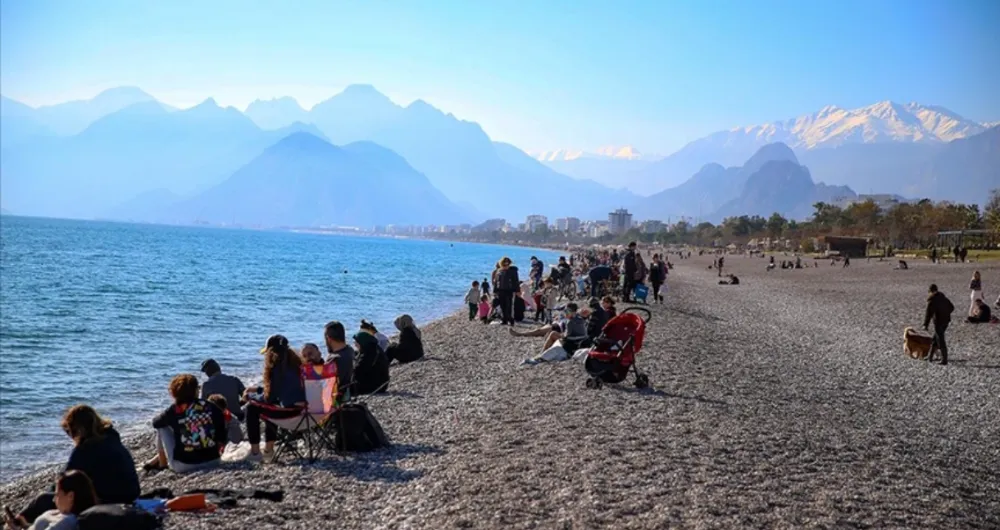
(255, 457)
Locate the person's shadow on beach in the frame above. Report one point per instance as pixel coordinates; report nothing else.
(379, 465)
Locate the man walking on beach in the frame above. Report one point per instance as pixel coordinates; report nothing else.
(630, 271)
(939, 308)
(722, 260)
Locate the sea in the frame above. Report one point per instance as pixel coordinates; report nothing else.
(106, 313)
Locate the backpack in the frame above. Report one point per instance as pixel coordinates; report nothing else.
(117, 517)
(358, 430)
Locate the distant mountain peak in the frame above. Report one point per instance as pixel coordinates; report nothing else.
(611, 152)
(131, 92)
(301, 140)
(208, 103)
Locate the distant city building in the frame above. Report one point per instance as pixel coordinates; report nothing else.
(521, 227)
(653, 227)
(597, 230)
(535, 222)
(568, 224)
(490, 225)
(619, 221)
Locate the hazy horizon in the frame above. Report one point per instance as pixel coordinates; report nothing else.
(541, 77)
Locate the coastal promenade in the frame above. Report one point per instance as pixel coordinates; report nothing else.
(783, 402)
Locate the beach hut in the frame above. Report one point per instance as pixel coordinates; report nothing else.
(855, 247)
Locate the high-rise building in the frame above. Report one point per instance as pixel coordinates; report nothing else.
(619, 221)
(534, 222)
(653, 227)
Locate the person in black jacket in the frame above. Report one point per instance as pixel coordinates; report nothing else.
(657, 275)
(506, 284)
(100, 454)
(409, 346)
(192, 432)
(371, 373)
(939, 309)
(982, 314)
(631, 266)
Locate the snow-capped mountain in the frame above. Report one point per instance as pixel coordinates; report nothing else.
(882, 122)
(610, 152)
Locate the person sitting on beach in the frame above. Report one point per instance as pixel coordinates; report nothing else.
(99, 453)
(608, 305)
(409, 346)
(281, 396)
(484, 309)
(191, 433)
(520, 307)
(74, 493)
(383, 341)
(371, 373)
(342, 354)
(902, 266)
(229, 387)
(982, 313)
(235, 434)
(568, 341)
(733, 280)
(596, 320)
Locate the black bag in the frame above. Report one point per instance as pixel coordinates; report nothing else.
(358, 430)
(117, 517)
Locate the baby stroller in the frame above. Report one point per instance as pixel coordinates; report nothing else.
(613, 353)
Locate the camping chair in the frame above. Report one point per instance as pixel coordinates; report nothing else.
(320, 384)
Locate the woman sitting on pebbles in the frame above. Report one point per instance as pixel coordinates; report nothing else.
(371, 371)
(98, 453)
(409, 346)
(74, 494)
(192, 432)
(560, 345)
(281, 396)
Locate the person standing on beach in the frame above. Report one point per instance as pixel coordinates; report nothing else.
(722, 260)
(631, 268)
(657, 275)
(939, 309)
(472, 299)
(505, 285)
(976, 286)
(486, 287)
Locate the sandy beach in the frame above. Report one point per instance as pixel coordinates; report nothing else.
(783, 402)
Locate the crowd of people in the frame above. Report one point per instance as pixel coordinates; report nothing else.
(203, 419)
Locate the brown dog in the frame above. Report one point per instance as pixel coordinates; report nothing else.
(917, 345)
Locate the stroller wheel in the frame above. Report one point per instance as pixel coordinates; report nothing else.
(641, 381)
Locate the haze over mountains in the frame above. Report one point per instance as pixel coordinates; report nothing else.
(125, 155)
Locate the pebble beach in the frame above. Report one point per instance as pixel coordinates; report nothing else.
(782, 402)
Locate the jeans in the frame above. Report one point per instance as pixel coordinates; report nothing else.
(165, 440)
(254, 412)
(939, 341)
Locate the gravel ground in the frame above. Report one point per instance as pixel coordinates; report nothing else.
(783, 402)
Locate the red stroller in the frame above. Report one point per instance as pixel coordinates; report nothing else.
(613, 353)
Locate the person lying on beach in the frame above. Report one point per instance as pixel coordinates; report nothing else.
(74, 493)
(982, 313)
(99, 453)
(191, 433)
(409, 346)
(733, 280)
(371, 373)
(281, 396)
(368, 327)
(559, 345)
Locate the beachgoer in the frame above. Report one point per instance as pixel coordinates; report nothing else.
(281, 396)
(596, 320)
(485, 309)
(983, 314)
(598, 275)
(934, 255)
(486, 287)
(722, 260)
(631, 269)
(976, 286)
(228, 386)
(536, 273)
(939, 309)
(472, 299)
(191, 433)
(234, 433)
(732, 280)
(409, 346)
(657, 275)
(311, 354)
(520, 307)
(74, 493)
(383, 341)
(847, 261)
(505, 285)
(341, 353)
(575, 333)
(371, 374)
(99, 453)
(608, 305)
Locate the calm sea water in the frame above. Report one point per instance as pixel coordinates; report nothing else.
(107, 313)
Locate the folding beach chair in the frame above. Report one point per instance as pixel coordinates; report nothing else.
(320, 384)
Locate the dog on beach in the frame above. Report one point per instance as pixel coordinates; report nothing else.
(917, 345)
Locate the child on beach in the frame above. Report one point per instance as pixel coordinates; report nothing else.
(484, 309)
(486, 286)
(472, 298)
(232, 427)
(976, 286)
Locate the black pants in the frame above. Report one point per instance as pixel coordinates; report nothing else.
(939, 341)
(628, 290)
(472, 311)
(41, 504)
(506, 306)
(254, 412)
(656, 291)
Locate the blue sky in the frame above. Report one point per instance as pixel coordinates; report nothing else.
(539, 74)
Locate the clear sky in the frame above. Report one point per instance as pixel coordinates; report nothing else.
(539, 74)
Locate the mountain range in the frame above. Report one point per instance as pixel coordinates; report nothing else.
(125, 155)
